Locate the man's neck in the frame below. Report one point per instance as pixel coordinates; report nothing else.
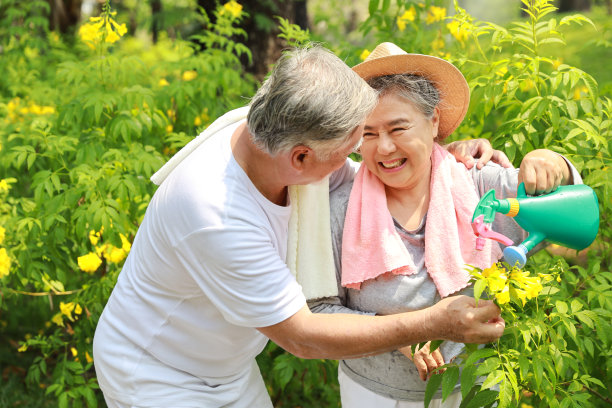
(263, 170)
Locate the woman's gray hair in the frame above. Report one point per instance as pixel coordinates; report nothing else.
(311, 98)
(415, 88)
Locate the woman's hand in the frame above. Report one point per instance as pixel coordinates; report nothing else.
(424, 361)
(543, 171)
(477, 151)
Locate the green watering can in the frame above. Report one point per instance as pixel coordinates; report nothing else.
(569, 216)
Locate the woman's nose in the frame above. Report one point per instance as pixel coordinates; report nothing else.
(386, 144)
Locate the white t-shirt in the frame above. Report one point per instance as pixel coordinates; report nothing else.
(206, 268)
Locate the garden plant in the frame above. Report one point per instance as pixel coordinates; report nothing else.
(86, 117)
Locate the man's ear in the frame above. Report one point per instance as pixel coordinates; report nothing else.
(300, 157)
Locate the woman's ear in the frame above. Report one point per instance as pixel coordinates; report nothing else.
(435, 122)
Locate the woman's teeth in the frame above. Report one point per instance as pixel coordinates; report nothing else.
(393, 164)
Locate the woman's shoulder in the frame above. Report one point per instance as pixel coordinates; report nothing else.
(339, 197)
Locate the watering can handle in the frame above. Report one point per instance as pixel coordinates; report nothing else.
(483, 230)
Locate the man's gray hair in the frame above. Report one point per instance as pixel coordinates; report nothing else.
(415, 88)
(311, 98)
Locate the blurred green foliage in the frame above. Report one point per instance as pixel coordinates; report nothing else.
(85, 124)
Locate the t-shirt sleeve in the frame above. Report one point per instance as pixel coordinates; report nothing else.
(241, 273)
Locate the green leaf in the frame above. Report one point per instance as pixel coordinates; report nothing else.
(561, 307)
(434, 345)
(449, 381)
(433, 384)
(482, 399)
(488, 365)
(468, 379)
(493, 378)
(373, 6)
(479, 354)
(479, 287)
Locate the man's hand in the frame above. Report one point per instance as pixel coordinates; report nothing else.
(543, 171)
(424, 361)
(458, 318)
(477, 151)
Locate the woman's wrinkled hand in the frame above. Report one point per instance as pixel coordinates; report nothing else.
(424, 361)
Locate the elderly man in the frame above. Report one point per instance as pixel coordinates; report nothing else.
(206, 285)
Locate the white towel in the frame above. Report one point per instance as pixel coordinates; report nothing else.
(309, 249)
(229, 118)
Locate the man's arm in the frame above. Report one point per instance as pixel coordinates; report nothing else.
(543, 171)
(344, 336)
(477, 151)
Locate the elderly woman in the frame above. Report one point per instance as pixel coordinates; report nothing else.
(401, 231)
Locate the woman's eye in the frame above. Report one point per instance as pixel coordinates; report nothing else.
(369, 134)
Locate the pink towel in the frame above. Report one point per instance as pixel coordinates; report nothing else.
(371, 246)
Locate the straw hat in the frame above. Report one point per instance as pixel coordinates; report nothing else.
(388, 59)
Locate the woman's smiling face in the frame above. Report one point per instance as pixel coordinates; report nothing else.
(397, 142)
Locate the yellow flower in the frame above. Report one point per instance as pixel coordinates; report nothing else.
(171, 114)
(233, 8)
(125, 244)
(169, 129)
(197, 121)
(121, 29)
(88, 357)
(116, 255)
(502, 71)
(518, 294)
(66, 309)
(580, 92)
(89, 263)
(163, 82)
(364, 54)
(519, 276)
(408, 16)
(460, 31)
(437, 44)
(496, 278)
(4, 186)
(435, 14)
(57, 319)
(5, 263)
(74, 351)
(503, 296)
(90, 33)
(94, 237)
(526, 85)
(2, 234)
(112, 37)
(23, 348)
(533, 288)
(189, 75)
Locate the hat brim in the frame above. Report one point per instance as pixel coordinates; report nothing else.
(450, 82)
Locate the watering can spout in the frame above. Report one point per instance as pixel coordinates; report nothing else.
(569, 216)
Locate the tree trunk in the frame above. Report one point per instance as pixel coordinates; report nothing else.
(156, 15)
(64, 14)
(261, 27)
(574, 5)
